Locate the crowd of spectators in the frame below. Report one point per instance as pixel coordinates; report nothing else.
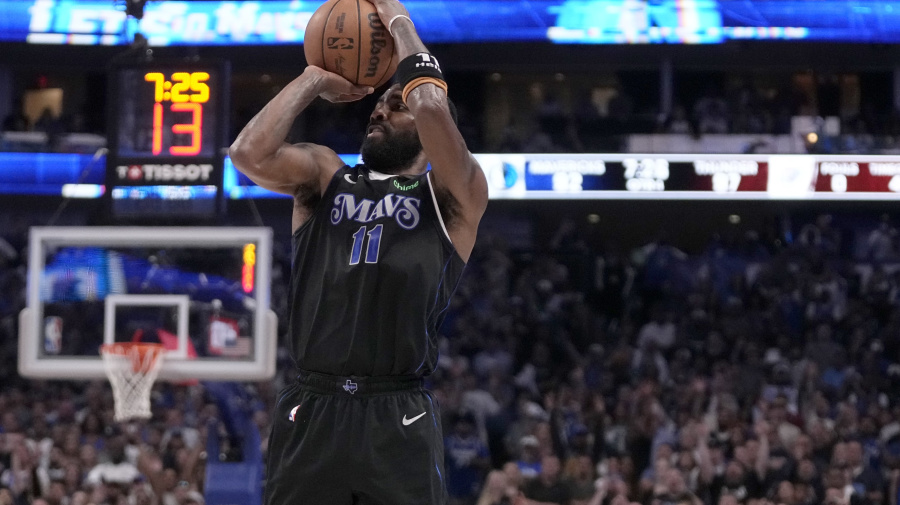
(727, 104)
(736, 107)
(755, 372)
(761, 370)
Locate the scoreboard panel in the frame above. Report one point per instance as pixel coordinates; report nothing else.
(692, 176)
(169, 120)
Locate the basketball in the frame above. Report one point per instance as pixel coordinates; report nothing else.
(348, 38)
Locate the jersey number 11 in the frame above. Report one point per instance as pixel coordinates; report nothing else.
(372, 247)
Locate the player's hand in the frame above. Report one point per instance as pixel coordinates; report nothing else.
(334, 88)
(387, 9)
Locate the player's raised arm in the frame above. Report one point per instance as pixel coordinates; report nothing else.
(260, 150)
(425, 93)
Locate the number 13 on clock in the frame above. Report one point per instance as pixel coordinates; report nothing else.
(185, 93)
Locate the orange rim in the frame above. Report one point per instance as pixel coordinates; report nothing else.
(138, 352)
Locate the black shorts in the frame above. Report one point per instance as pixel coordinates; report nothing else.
(355, 441)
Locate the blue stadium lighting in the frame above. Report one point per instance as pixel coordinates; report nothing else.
(173, 22)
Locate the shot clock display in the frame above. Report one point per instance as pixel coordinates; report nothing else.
(166, 152)
(169, 111)
(187, 95)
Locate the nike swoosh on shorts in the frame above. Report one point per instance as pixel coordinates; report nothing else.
(407, 422)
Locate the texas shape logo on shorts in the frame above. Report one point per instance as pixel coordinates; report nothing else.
(293, 413)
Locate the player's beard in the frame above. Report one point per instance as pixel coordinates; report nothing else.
(392, 153)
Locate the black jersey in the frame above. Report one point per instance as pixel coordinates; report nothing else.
(373, 272)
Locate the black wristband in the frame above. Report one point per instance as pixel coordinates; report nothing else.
(418, 65)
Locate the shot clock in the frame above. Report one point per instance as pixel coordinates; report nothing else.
(185, 97)
(166, 151)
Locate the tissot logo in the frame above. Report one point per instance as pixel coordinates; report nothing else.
(157, 172)
(134, 173)
(339, 43)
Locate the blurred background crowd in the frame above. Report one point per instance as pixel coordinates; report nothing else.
(545, 112)
(762, 368)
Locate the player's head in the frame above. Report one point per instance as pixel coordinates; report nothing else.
(392, 142)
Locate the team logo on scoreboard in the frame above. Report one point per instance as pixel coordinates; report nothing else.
(339, 43)
(502, 176)
(155, 172)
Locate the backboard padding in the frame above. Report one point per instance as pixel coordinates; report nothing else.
(208, 257)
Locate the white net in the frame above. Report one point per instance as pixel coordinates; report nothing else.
(132, 368)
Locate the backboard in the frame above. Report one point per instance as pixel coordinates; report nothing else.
(201, 292)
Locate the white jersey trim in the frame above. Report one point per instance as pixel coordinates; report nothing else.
(437, 209)
(378, 176)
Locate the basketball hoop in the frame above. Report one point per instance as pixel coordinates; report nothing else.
(132, 368)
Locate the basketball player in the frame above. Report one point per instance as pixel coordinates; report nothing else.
(377, 252)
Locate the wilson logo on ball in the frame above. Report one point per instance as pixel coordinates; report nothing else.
(378, 42)
(339, 43)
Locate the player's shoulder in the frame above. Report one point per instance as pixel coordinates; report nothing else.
(322, 158)
(349, 174)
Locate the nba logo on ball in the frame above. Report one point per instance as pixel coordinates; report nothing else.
(340, 43)
(53, 326)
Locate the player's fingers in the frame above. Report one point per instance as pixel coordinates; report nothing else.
(339, 85)
(357, 93)
(349, 97)
(387, 9)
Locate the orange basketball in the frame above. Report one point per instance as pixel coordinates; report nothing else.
(348, 38)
